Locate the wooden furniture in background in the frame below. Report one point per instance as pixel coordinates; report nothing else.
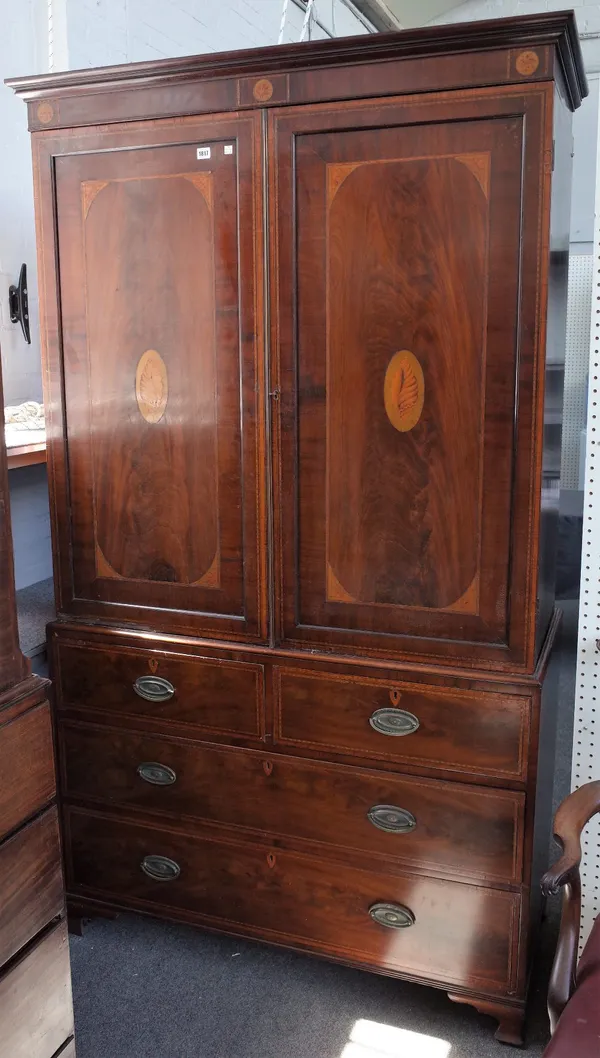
(36, 1010)
(574, 983)
(26, 455)
(296, 308)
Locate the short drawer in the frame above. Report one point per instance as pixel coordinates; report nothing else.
(450, 828)
(26, 767)
(438, 727)
(36, 1010)
(221, 697)
(31, 885)
(436, 929)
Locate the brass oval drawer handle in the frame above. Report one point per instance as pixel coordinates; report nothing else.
(156, 774)
(394, 722)
(154, 688)
(392, 916)
(160, 868)
(391, 819)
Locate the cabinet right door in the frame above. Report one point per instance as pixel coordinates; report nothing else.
(408, 264)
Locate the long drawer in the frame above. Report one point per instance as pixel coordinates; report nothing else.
(26, 767)
(437, 727)
(436, 929)
(36, 1011)
(457, 829)
(31, 885)
(202, 694)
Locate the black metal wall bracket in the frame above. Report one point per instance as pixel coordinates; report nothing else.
(18, 304)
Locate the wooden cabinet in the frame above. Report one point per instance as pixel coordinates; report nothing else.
(36, 1010)
(296, 308)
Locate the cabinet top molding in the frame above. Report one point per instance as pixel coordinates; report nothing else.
(554, 29)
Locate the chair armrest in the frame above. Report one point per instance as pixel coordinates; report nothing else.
(572, 815)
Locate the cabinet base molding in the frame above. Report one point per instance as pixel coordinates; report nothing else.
(510, 1016)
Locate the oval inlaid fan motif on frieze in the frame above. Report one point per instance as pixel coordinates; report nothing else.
(404, 391)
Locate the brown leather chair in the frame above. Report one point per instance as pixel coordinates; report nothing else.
(574, 991)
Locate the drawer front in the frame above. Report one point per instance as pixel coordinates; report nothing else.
(36, 1010)
(459, 934)
(221, 697)
(31, 885)
(27, 780)
(440, 826)
(446, 728)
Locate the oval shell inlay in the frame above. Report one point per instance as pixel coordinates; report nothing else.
(404, 391)
(151, 386)
(263, 90)
(45, 113)
(527, 62)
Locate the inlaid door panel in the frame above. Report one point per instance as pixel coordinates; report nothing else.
(157, 248)
(406, 344)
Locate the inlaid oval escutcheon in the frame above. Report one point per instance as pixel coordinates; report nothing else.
(394, 722)
(151, 386)
(404, 391)
(154, 688)
(156, 774)
(527, 62)
(392, 916)
(160, 868)
(391, 819)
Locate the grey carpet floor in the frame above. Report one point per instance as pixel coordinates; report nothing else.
(146, 989)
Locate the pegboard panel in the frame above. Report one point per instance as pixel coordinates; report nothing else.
(586, 740)
(577, 358)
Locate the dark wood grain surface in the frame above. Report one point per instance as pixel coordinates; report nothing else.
(167, 516)
(301, 900)
(458, 830)
(27, 780)
(415, 538)
(208, 695)
(472, 731)
(31, 883)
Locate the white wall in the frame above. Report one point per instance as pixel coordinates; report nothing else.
(23, 49)
(101, 32)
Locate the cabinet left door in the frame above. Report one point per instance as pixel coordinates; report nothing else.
(150, 250)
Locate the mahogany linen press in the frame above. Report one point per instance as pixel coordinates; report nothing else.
(304, 321)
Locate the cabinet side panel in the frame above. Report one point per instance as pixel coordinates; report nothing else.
(552, 391)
